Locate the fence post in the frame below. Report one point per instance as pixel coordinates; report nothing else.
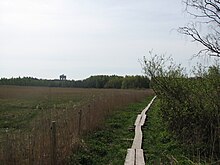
(53, 144)
(8, 149)
(89, 117)
(80, 118)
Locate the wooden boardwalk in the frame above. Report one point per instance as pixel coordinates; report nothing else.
(135, 154)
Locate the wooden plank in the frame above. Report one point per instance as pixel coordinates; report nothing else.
(137, 121)
(148, 106)
(135, 155)
(139, 157)
(130, 157)
(140, 120)
(143, 118)
(137, 143)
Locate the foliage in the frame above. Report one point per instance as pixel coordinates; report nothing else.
(100, 81)
(135, 82)
(114, 82)
(158, 144)
(190, 105)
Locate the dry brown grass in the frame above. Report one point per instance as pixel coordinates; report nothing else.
(29, 142)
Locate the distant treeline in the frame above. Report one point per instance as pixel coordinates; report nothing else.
(100, 81)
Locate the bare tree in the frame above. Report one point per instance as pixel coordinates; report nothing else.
(207, 18)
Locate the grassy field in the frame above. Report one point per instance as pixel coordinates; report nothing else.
(26, 114)
(20, 105)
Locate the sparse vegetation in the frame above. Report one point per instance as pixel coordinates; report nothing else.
(27, 112)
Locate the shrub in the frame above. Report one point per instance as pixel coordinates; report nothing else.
(190, 105)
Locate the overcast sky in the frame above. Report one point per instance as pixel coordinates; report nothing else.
(80, 38)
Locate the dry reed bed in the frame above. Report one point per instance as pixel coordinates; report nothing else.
(33, 146)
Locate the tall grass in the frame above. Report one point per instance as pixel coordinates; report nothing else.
(76, 112)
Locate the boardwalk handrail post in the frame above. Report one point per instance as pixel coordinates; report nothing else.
(53, 144)
(80, 118)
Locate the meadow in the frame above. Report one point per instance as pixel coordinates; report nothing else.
(26, 114)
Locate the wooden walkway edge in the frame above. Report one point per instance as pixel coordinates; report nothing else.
(135, 154)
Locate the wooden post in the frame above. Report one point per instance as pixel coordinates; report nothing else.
(80, 118)
(30, 150)
(89, 115)
(53, 144)
(7, 148)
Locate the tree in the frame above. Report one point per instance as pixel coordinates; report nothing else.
(114, 82)
(207, 16)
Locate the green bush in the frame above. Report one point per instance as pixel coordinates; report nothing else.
(189, 105)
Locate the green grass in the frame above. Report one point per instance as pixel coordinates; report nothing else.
(18, 113)
(109, 144)
(20, 105)
(15, 113)
(158, 144)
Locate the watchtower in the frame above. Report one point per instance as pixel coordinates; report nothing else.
(62, 77)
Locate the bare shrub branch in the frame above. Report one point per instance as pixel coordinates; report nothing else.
(207, 15)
